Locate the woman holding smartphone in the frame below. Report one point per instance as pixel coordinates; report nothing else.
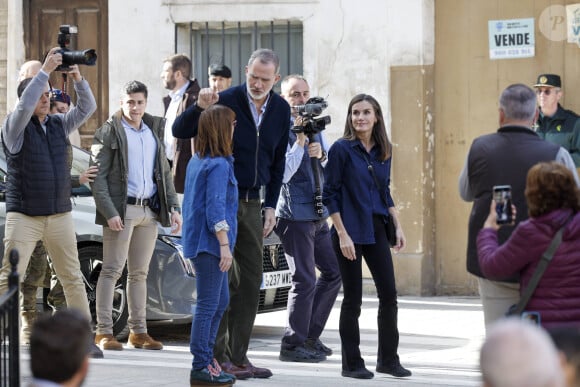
(553, 200)
(359, 201)
(210, 205)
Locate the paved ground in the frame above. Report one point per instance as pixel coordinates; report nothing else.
(440, 340)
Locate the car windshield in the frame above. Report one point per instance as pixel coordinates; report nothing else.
(80, 163)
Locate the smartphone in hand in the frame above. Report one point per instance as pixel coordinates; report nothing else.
(502, 194)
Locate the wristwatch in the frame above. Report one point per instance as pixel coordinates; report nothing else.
(176, 209)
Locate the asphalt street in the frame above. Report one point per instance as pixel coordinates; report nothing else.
(439, 342)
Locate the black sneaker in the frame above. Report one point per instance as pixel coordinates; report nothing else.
(317, 345)
(396, 370)
(301, 354)
(95, 352)
(210, 376)
(361, 373)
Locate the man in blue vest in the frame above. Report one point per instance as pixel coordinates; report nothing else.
(305, 235)
(38, 184)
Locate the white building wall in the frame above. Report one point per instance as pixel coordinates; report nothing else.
(349, 45)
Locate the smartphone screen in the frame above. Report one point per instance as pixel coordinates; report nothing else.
(502, 194)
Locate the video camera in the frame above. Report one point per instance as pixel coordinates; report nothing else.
(310, 123)
(85, 57)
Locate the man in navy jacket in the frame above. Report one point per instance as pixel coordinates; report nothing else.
(260, 141)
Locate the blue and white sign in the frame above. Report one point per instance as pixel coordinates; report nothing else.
(510, 39)
(573, 18)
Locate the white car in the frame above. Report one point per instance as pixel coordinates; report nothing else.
(171, 286)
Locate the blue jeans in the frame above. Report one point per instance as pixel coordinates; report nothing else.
(212, 300)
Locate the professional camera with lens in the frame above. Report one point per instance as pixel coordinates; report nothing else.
(84, 57)
(311, 124)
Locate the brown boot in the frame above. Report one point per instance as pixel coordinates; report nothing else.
(108, 342)
(27, 318)
(144, 341)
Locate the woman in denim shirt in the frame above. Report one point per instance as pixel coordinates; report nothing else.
(358, 210)
(210, 205)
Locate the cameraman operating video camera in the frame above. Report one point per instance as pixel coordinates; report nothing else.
(303, 230)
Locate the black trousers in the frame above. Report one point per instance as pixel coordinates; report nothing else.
(380, 263)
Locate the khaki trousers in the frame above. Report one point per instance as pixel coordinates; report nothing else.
(58, 234)
(133, 245)
(496, 298)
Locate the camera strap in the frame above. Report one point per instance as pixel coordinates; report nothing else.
(318, 205)
(372, 171)
(541, 268)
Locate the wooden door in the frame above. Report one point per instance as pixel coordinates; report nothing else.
(42, 19)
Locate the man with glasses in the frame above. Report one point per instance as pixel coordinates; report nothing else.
(555, 123)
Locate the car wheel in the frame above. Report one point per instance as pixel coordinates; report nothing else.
(91, 260)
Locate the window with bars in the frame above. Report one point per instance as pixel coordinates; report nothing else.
(232, 43)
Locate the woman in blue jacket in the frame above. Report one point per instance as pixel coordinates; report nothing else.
(210, 205)
(358, 209)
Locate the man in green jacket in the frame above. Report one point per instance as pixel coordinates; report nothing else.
(133, 190)
(555, 123)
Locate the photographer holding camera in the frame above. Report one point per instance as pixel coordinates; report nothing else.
(303, 230)
(38, 185)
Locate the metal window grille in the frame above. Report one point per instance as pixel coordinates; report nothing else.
(232, 43)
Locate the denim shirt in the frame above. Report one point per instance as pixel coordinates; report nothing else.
(210, 197)
(349, 188)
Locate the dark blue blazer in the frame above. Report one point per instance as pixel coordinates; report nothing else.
(259, 152)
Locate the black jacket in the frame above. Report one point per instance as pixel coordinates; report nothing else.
(183, 145)
(497, 159)
(259, 153)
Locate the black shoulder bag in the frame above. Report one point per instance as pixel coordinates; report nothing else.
(390, 228)
(517, 309)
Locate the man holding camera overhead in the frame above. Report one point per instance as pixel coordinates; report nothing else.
(38, 185)
(303, 230)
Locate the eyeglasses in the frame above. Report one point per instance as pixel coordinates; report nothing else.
(547, 91)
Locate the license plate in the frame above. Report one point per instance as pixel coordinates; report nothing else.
(276, 279)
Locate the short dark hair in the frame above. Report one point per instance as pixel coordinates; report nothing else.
(219, 70)
(23, 85)
(180, 62)
(214, 134)
(133, 87)
(59, 344)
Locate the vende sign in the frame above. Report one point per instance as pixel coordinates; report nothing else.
(511, 38)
